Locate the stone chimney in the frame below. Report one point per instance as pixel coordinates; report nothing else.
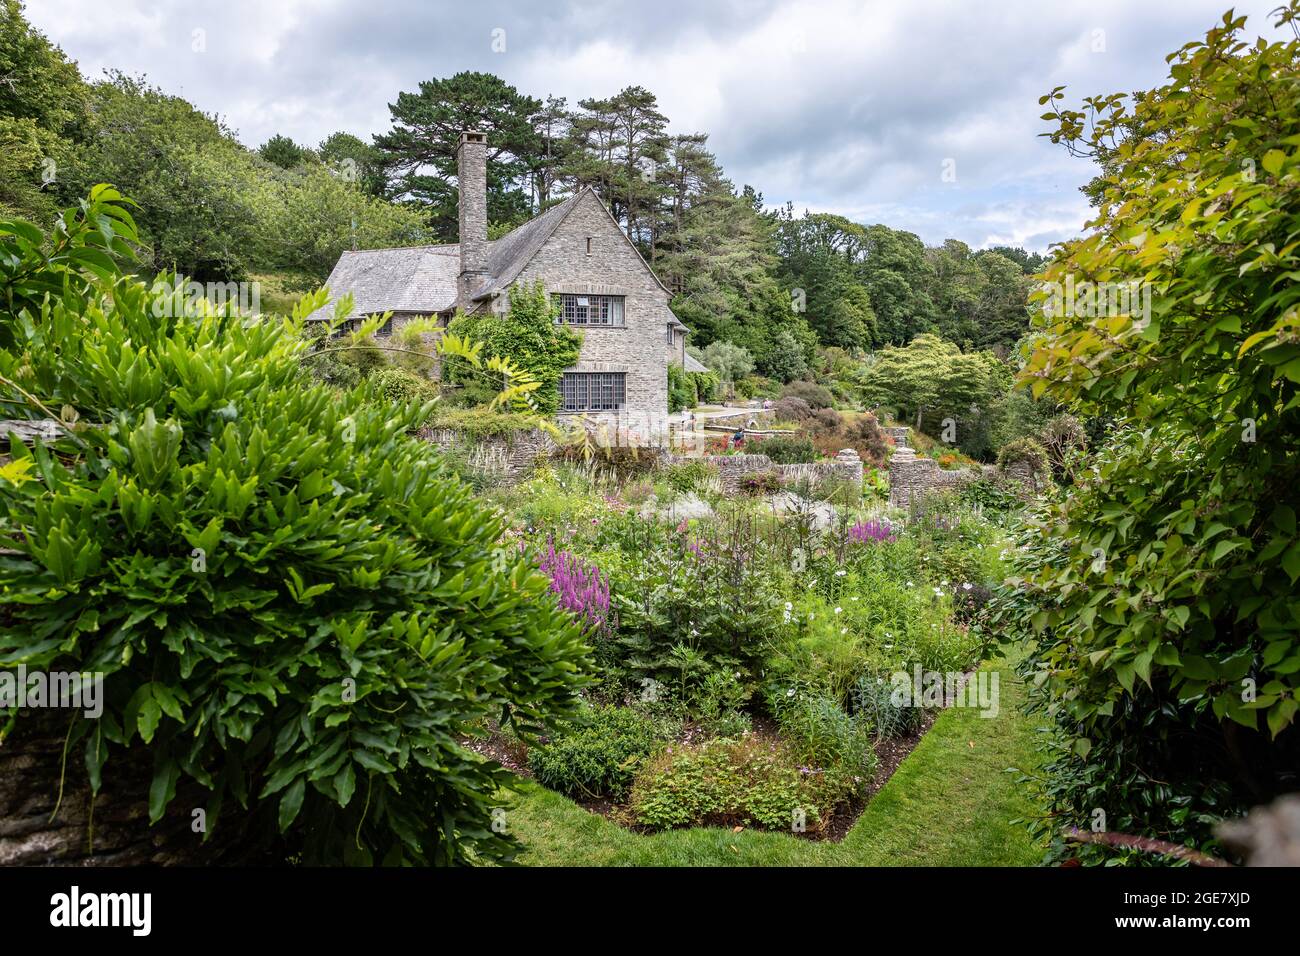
(471, 171)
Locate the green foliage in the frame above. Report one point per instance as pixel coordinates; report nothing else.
(817, 396)
(708, 589)
(737, 783)
(1164, 587)
(687, 476)
(282, 151)
(1025, 453)
(476, 424)
(876, 705)
(292, 604)
(418, 155)
(44, 113)
(729, 362)
(931, 381)
(401, 387)
(599, 755)
(785, 449)
(821, 734)
(311, 214)
(528, 336)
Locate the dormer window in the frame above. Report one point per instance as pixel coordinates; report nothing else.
(591, 309)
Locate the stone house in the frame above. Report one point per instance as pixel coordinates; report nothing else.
(580, 254)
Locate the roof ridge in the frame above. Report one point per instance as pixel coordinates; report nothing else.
(423, 248)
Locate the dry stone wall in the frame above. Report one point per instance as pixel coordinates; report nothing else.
(733, 468)
(911, 477)
(501, 460)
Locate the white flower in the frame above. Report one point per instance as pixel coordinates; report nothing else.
(966, 586)
(839, 610)
(790, 692)
(844, 630)
(789, 606)
(855, 598)
(840, 573)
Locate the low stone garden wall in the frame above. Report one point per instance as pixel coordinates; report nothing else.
(741, 419)
(732, 468)
(504, 459)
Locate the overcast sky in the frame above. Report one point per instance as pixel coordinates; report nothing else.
(846, 107)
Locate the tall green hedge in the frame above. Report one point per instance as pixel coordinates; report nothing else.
(292, 602)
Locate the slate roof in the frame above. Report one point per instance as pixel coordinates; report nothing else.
(422, 279)
(413, 279)
(692, 364)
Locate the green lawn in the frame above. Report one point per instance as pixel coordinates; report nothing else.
(950, 803)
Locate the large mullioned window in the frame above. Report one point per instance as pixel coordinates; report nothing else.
(592, 391)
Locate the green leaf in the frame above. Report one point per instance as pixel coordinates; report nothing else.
(291, 803)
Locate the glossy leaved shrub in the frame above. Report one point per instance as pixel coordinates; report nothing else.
(292, 602)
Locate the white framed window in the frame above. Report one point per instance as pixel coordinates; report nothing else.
(591, 309)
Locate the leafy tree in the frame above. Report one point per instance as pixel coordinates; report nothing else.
(44, 112)
(197, 187)
(1030, 263)
(1169, 633)
(722, 266)
(284, 152)
(820, 256)
(898, 280)
(353, 160)
(786, 361)
(530, 336)
(947, 393)
(419, 152)
(308, 216)
(730, 362)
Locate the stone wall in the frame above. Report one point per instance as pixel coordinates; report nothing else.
(732, 468)
(503, 460)
(911, 477)
(741, 418)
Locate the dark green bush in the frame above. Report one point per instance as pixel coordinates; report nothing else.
(786, 449)
(290, 601)
(817, 396)
(402, 387)
(600, 754)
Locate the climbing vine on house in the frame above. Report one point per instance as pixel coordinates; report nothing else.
(530, 335)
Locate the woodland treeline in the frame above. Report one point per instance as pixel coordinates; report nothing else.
(775, 280)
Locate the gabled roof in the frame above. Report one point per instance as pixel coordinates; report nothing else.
(692, 364)
(509, 255)
(422, 279)
(412, 279)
